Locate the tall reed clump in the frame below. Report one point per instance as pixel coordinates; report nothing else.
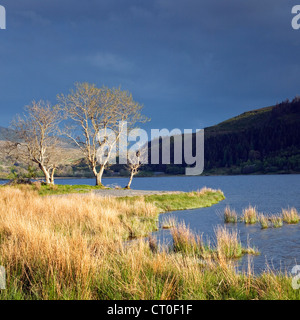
(250, 215)
(230, 215)
(290, 216)
(229, 245)
(264, 221)
(184, 240)
(276, 221)
(168, 223)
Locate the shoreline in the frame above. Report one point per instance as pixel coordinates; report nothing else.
(172, 176)
(122, 193)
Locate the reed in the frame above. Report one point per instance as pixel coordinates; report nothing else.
(264, 221)
(230, 215)
(276, 221)
(290, 216)
(250, 215)
(184, 240)
(228, 243)
(169, 222)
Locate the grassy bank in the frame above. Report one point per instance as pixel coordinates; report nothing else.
(205, 197)
(46, 190)
(73, 248)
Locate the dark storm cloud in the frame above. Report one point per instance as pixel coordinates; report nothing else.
(192, 63)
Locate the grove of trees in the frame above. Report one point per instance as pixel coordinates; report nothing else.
(92, 118)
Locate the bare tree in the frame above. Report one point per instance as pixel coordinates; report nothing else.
(93, 110)
(136, 158)
(35, 139)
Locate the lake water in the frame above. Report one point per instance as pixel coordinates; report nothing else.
(279, 248)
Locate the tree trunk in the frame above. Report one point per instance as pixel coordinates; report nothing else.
(46, 174)
(99, 176)
(130, 180)
(52, 176)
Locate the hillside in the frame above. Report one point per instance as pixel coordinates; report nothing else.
(265, 140)
(6, 133)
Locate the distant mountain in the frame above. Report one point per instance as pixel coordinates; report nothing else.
(6, 133)
(265, 140)
(285, 113)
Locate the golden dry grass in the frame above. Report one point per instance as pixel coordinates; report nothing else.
(250, 215)
(230, 215)
(66, 237)
(264, 221)
(73, 247)
(169, 222)
(228, 243)
(276, 221)
(290, 216)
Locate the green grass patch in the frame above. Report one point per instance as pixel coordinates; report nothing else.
(46, 190)
(181, 201)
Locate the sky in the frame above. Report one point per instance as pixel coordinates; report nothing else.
(191, 63)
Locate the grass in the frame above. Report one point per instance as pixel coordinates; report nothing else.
(57, 189)
(264, 221)
(250, 215)
(186, 242)
(168, 223)
(182, 201)
(73, 247)
(45, 190)
(230, 215)
(229, 245)
(290, 216)
(276, 221)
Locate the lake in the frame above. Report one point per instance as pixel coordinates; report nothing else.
(279, 248)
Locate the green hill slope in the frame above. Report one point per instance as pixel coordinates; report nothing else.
(265, 140)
